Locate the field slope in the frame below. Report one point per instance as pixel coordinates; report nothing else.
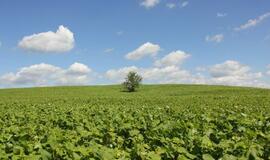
(157, 122)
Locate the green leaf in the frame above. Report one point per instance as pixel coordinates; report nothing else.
(153, 156)
(45, 154)
(207, 157)
(229, 157)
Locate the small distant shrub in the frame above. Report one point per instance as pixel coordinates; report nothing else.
(132, 81)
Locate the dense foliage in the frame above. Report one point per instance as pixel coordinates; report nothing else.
(132, 81)
(159, 122)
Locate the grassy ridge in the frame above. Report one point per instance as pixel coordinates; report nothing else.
(158, 122)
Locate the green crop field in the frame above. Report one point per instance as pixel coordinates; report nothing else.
(157, 122)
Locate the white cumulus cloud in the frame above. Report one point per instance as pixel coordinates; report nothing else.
(78, 69)
(147, 49)
(46, 75)
(55, 42)
(253, 22)
(149, 3)
(167, 74)
(164, 70)
(119, 74)
(234, 73)
(215, 38)
(173, 58)
(229, 68)
(227, 73)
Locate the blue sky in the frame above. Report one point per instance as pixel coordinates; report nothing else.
(177, 41)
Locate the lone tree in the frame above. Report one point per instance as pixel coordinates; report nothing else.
(132, 81)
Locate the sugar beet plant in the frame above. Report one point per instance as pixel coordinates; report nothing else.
(159, 122)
